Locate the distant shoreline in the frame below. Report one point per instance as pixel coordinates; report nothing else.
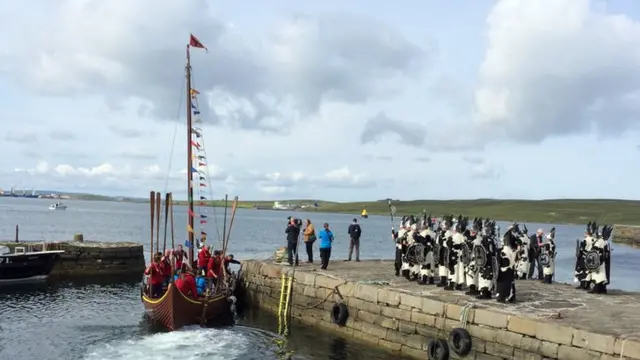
(624, 214)
(552, 211)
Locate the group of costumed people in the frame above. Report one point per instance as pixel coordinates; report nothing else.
(473, 256)
(593, 259)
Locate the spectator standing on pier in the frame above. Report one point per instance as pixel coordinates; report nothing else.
(309, 239)
(354, 234)
(535, 244)
(293, 233)
(326, 238)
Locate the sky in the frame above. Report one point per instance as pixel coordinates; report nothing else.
(333, 100)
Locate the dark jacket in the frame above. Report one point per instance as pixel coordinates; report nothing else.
(533, 242)
(355, 231)
(293, 232)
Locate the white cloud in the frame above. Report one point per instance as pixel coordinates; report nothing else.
(558, 68)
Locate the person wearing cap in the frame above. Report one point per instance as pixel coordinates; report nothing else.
(326, 239)
(535, 243)
(354, 234)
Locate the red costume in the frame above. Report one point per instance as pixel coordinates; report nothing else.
(179, 254)
(156, 272)
(187, 285)
(203, 258)
(213, 267)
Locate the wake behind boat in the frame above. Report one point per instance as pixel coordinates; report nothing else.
(58, 206)
(25, 265)
(171, 297)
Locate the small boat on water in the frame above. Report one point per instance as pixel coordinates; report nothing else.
(364, 214)
(171, 308)
(25, 265)
(58, 206)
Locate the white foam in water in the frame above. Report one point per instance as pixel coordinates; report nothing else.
(186, 344)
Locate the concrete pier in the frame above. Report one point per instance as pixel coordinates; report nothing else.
(91, 258)
(548, 321)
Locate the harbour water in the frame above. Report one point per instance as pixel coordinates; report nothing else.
(75, 321)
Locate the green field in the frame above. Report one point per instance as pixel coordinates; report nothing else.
(567, 211)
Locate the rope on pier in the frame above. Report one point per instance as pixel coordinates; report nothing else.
(373, 282)
(464, 314)
(625, 337)
(335, 291)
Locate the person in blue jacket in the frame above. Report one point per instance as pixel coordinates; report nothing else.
(326, 238)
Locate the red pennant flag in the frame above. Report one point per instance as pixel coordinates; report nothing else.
(201, 164)
(202, 203)
(203, 221)
(203, 185)
(195, 144)
(194, 42)
(191, 214)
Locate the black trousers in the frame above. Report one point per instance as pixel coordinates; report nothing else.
(397, 264)
(325, 255)
(291, 250)
(535, 264)
(309, 246)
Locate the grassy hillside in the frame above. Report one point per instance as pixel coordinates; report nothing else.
(565, 211)
(547, 211)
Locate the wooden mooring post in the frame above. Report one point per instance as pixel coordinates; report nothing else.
(17, 233)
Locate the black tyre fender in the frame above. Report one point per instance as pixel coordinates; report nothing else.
(339, 314)
(460, 341)
(437, 349)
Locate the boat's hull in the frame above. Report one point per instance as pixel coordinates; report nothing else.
(27, 268)
(174, 310)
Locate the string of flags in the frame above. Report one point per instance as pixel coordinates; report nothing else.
(198, 168)
(198, 159)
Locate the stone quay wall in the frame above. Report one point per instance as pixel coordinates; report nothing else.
(403, 322)
(92, 258)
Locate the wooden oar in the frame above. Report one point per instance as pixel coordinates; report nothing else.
(152, 200)
(166, 221)
(173, 245)
(158, 203)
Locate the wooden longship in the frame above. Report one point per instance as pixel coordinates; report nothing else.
(173, 309)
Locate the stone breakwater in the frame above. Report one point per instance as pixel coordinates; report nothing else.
(548, 322)
(626, 234)
(92, 258)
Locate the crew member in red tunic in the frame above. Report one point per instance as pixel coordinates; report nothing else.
(179, 254)
(156, 276)
(186, 283)
(203, 260)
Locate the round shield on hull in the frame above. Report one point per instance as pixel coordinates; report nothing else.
(436, 253)
(592, 260)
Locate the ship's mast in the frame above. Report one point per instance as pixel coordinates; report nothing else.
(189, 159)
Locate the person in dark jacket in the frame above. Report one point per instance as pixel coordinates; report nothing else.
(293, 232)
(354, 234)
(535, 242)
